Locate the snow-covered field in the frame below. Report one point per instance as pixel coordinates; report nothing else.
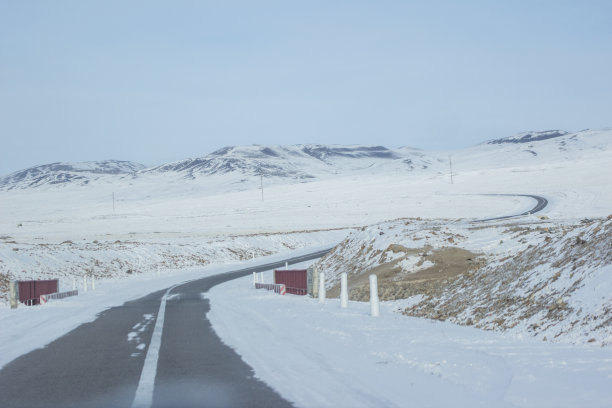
(124, 228)
(319, 355)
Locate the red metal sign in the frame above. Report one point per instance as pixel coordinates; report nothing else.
(30, 291)
(294, 280)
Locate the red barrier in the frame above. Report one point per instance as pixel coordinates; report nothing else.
(280, 289)
(295, 280)
(30, 291)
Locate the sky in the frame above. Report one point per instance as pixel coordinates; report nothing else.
(159, 81)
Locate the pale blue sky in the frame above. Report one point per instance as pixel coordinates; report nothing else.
(157, 81)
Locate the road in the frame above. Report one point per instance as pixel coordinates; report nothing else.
(541, 203)
(113, 362)
(120, 360)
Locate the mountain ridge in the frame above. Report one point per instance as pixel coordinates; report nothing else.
(60, 173)
(529, 137)
(276, 160)
(302, 162)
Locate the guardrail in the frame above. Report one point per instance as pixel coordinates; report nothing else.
(276, 287)
(58, 295)
(297, 291)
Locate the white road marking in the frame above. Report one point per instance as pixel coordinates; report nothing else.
(144, 392)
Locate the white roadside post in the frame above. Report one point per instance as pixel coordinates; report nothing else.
(73, 283)
(254, 278)
(343, 291)
(315, 282)
(84, 283)
(286, 265)
(14, 294)
(93, 282)
(321, 287)
(374, 307)
(261, 277)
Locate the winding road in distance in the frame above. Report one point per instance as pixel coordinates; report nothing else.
(179, 361)
(541, 203)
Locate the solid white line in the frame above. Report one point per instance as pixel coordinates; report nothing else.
(144, 392)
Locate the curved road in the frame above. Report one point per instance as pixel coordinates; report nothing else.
(541, 203)
(159, 350)
(96, 366)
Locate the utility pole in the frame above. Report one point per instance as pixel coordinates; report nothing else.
(450, 163)
(261, 180)
(113, 202)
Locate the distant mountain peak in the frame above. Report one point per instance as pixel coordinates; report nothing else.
(252, 151)
(295, 161)
(528, 137)
(322, 152)
(60, 173)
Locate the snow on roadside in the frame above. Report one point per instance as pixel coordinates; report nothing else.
(125, 259)
(321, 355)
(27, 328)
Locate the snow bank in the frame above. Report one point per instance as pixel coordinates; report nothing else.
(319, 355)
(27, 328)
(125, 259)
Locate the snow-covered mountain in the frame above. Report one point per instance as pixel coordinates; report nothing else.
(63, 173)
(528, 137)
(296, 162)
(287, 164)
(533, 149)
(550, 142)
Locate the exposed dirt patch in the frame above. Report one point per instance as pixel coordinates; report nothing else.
(4, 286)
(442, 266)
(539, 277)
(535, 287)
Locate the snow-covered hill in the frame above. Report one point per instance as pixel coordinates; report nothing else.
(292, 162)
(528, 276)
(298, 163)
(67, 173)
(288, 163)
(529, 137)
(533, 149)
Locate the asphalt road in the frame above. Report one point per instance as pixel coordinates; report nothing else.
(541, 203)
(100, 364)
